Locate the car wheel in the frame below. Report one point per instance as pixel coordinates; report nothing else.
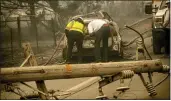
(158, 39)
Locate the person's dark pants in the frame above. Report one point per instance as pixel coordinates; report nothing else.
(167, 40)
(102, 34)
(74, 36)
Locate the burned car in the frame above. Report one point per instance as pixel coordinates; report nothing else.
(114, 41)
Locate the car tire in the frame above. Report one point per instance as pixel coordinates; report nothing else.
(158, 39)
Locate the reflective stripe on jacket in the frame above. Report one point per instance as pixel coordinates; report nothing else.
(76, 26)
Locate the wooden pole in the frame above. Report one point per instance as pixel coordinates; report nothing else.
(36, 32)
(53, 31)
(32, 60)
(19, 31)
(66, 71)
(33, 21)
(25, 61)
(12, 51)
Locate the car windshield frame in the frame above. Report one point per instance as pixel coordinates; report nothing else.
(163, 4)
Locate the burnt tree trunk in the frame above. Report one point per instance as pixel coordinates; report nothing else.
(33, 21)
(19, 31)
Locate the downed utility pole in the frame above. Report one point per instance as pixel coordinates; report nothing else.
(50, 72)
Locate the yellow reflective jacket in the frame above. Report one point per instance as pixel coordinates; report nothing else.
(76, 26)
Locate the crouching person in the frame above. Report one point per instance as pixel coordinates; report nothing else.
(75, 33)
(101, 30)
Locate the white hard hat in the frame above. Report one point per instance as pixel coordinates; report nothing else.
(80, 18)
(73, 18)
(77, 17)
